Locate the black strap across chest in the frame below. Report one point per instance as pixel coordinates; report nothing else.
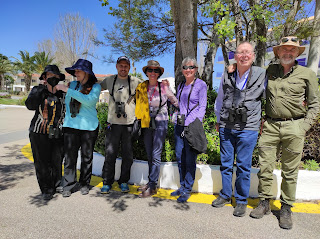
(114, 82)
(182, 84)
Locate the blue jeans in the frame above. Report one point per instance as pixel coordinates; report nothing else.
(153, 141)
(241, 143)
(186, 159)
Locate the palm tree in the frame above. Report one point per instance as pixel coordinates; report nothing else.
(27, 66)
(6, 66)
(41, 60)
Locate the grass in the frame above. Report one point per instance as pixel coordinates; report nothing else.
(5, 101)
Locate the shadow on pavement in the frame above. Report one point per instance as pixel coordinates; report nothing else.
(39, 202)
(10, 171)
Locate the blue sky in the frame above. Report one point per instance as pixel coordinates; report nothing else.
(25, 23)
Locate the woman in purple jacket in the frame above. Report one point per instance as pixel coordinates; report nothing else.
(192, 96)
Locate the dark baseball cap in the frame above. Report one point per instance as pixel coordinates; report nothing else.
(123, 58)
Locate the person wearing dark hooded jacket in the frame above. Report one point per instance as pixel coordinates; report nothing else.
(45, 130)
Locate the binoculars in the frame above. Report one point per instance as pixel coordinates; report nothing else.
(120, 109)
(238, 113)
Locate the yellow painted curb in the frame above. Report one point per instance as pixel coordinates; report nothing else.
(306, 207)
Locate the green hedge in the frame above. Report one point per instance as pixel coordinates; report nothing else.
(311, 149)
(168, 152)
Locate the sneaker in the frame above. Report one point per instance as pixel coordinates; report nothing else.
(220, 202)
(176, 193)
(105, 189)
(66, 194)
(240, 210)
(124, 187)
(47, 196)
(84, 190)
(183, 197)
(285, 221)
(262, 209)
(59, 189)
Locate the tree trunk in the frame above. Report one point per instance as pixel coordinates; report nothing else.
(184, 14)
(1, 82)
(235, 7)
(133, 67)
(290, 19)
(28, 82)
(260, 32)
(209, 61)
(224, 53)
(314, 50)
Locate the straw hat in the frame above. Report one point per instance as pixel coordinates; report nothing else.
(288, 41)
(153, 63)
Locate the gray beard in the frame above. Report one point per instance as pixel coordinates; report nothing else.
(287, 61)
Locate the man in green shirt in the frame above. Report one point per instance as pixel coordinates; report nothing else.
(292, 105)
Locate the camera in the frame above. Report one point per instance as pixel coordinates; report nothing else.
(74, 107)
(120, 109)
(180, 119)
(54, 133)
(152, 123)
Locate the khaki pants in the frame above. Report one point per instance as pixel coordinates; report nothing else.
(290, 136)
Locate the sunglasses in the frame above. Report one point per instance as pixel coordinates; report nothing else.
(189, 67)
(286, 39)
(153, 70)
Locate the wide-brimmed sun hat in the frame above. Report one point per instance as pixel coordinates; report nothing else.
(83, 65)
(54, 69)
(153, 63)
(288, 41)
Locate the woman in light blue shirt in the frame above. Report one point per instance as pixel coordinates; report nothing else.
(80, 126)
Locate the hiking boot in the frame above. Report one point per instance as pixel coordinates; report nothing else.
(240, 210)
(262, 209)
(285, 221)
(143, 188)
(220, 202)
(124, 187)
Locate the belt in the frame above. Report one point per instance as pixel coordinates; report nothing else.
(285, 119)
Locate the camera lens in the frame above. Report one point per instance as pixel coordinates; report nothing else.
(118, 115)
(124, 115)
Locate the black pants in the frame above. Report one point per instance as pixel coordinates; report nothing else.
(116, 135)
(73, 140)
(48, 156)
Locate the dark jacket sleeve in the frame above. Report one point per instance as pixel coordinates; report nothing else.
(35, 97)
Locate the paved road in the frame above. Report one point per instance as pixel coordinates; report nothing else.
(23, 214)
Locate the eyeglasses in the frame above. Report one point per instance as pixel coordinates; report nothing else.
(245, 53)
(189, 67)
(286, 39)
(153, 70)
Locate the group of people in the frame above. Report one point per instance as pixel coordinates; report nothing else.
(292, 106)
(66, 120)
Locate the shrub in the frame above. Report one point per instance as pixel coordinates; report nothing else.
(311, 150)
(168, 153)
(22, 100)
(311, 165)
(102, 110)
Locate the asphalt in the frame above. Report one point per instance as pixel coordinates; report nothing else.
(23, 214)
